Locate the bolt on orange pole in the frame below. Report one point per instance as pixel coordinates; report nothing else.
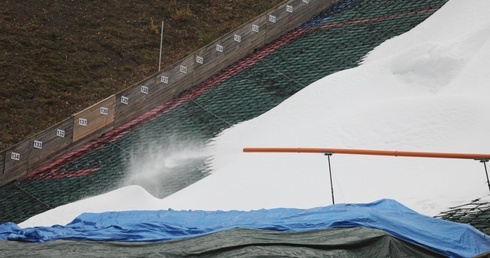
(483, 158)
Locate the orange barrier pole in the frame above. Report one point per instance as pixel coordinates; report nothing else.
(446, 155)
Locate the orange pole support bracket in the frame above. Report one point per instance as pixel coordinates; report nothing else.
(475, 156)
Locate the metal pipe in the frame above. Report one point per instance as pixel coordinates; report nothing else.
(476, 156)
(330, 173)
(484, 161)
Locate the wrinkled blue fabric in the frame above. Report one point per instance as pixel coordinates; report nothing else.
(448, 238)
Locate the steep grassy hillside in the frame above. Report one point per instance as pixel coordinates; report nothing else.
(58, 57)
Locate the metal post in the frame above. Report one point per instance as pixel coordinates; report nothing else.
(328, 154)
(484, 161)
(161, 44)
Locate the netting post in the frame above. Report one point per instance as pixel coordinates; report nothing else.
(328, 154)
(484, 161)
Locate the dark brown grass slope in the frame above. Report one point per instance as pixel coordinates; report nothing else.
(58, 57)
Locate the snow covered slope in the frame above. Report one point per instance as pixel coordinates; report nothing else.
(426, 90)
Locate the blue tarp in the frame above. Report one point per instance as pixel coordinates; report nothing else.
(448, 238)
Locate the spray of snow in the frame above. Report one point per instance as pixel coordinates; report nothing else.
(154, 165)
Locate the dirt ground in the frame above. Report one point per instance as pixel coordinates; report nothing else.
(58, 57)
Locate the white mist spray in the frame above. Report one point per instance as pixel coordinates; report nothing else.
(164, 168)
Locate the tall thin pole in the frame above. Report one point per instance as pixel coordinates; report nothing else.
(328, 154)
(161, 44)
(484, 161)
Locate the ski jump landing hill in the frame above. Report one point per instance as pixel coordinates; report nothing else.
(119, 109)
(46, 155)
(238, 77)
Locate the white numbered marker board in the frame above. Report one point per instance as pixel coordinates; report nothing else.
(38, 144)
(272, 18)
(219, 48)
(60, 133)
(183, 69)
(124, 100)
(82, 122)
(104, 111)
(199, 60)
(15, 156)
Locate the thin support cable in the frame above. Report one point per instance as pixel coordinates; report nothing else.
(199, 105)
(31, 195)
(121, 148)
(283, 74)
(337, 183)
(328, 154)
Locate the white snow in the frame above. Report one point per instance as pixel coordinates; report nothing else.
(426, 90)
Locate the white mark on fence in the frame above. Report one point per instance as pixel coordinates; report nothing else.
(15, 156)
(272, 18)
(124, 100)
(183, 69)
(38, 144)
(60, 133)
(104, 111)
(199, 59)
(83, 121)
(219, 48)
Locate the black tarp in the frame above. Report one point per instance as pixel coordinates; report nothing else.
(333, 242)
